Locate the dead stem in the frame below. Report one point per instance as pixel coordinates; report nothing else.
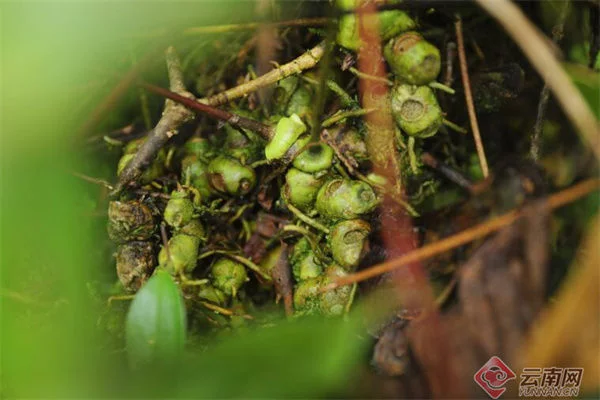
(306, 61)
(426, 252)
(254, 25)
(97, 181)
(464, 71)
(535, 46)
(557, 34)
(174, 115)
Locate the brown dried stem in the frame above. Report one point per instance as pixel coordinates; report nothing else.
(464, 71)
(479, 231)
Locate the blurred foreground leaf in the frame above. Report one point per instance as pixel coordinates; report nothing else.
(156, 323)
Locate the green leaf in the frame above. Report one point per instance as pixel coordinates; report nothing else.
(156, 323)
(588, 83)
(303, 358)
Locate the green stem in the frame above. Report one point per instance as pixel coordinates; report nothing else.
(442, 87)
(454, 127)
(345, 114)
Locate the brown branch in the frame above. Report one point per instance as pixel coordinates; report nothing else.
(535, 46)
(306, 61)
(464, 71)
(556, 200)
(233, 119)
(174, 115)
(557, 34)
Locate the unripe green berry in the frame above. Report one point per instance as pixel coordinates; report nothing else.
(181, 255)
(212, 294)
(135, 263)
(246, 147)
(315, 158)
(228, 276)
(193, 228)
(416, 110)
(391, 23)
(345, 199)
(129, 220)
(194, 173)
(306, 296)
(303, 261)
(199, 147)
(301, 102)
(179, 210)
(301, 188)
(228, 175)
(333, 303)
(287, 132)
(412, 59)
(347, 241)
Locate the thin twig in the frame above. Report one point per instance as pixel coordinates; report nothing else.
(364, 75)
(233, 119)
(174, 115)
(305, 218)
(557, 34)
(306, 61)
(337, 117)
(469, 97)
(541, 56)
(559, 199)
(97, 181)
(254, 25)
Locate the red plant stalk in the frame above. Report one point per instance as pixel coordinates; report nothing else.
(398, 234)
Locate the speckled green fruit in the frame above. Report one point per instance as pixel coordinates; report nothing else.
(416, 110)
(129, 220)
(179, 210)
(228, 276)
(135, 263)
(332, 303)
(345, 199)
(347, 241)
(287, 132)
(194, 173)
(412, 59)
(306, 296)
(228, 175)
(181, 255)
(212, 294)
(303, 261)
(193, 228)
(391, 23)
(315, 158)
(301, 188)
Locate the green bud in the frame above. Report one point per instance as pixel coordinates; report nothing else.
(306, 296)
(315, 158)
(345, 199)
(194, 173)
(333, 303)
(228, 175)
(154, 171)
(416, 110)
(199, 147)
(308, 300)
(228, 276)
(212, 294)
(348, 240)
(135, 263)
(412, 59)
(287, 132)
(182, 254)
(301, 188)
(391, 23)
(129, 220)
(193, 228)
(303, 261)
(246, 147)
(179, 210)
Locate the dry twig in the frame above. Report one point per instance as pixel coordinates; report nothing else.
(464, 71)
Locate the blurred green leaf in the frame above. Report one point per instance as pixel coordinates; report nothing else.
(156, 322)
(302, 358)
